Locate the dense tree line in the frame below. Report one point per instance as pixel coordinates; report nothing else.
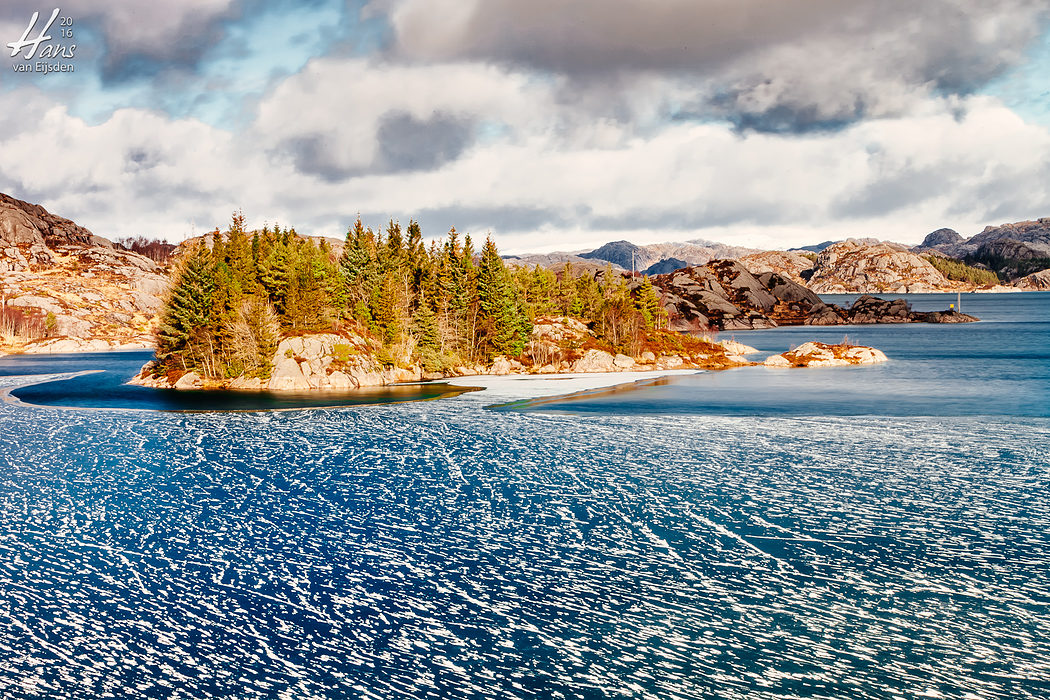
(958, 270)
(1007, 268)
(235, 294)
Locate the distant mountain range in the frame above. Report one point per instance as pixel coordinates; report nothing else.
(1013, 251)
(1030, 238)
(625, 255)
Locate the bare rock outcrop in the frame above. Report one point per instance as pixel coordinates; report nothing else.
(1035, 282)
(25, 225)
(1011, 250)
(721, 295)
(814, 354)
(734, 347)
(788, 264)
(941, 239)
(851, 266)
(724, 295)
(330, 362)
(69, 284)
(869, 309)
(1035, 235)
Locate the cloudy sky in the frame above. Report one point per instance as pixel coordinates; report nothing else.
(554, 125)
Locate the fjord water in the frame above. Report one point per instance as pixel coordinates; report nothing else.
(1000, 366)
(437, 549)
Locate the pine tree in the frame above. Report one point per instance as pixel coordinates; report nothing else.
(386, 312)
(239, 255)
(275, 273)
(308, 305)
(502, 319)
(649, 305)
(617, 314)
(395, 245)
(567, 294)
(425, 326)
(185, 324)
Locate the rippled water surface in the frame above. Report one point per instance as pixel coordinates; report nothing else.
(438, 549)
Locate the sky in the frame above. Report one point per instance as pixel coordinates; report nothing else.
(550, 125)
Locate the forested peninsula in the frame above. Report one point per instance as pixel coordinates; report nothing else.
(270, 309)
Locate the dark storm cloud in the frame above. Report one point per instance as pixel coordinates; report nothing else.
(600, 36)
(404, 144)
(791, 65)
(478, 221)
(704, 214)
(316, 155)
(892, 190)
(407, 143)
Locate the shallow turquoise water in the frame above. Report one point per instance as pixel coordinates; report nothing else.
(437, 549)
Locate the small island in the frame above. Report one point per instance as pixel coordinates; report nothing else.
(814, 354)
(270, 310)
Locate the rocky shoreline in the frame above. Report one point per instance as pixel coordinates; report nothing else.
(341, 363)
(559, 345)
(723, 294)
(814, 354)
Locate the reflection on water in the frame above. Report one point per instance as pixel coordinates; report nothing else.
(105, 387)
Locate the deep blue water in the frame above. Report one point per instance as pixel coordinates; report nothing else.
(999, 366)
(435, 549)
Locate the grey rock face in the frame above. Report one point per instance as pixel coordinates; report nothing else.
(942, 236)
(794, 266)
(595, 361)
(723, 295)
(854, 266)
(191, 380)
(1037, 281)
(664, 266)
(1012, 249)
(22, 223)
(622, 253)
(287, 375)
(53, 265)
(33, 302)
(868, 309)
(1034, 235)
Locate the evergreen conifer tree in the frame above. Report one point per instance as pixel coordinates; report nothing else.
(649, 305)
(185, 324)
(502, 319)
